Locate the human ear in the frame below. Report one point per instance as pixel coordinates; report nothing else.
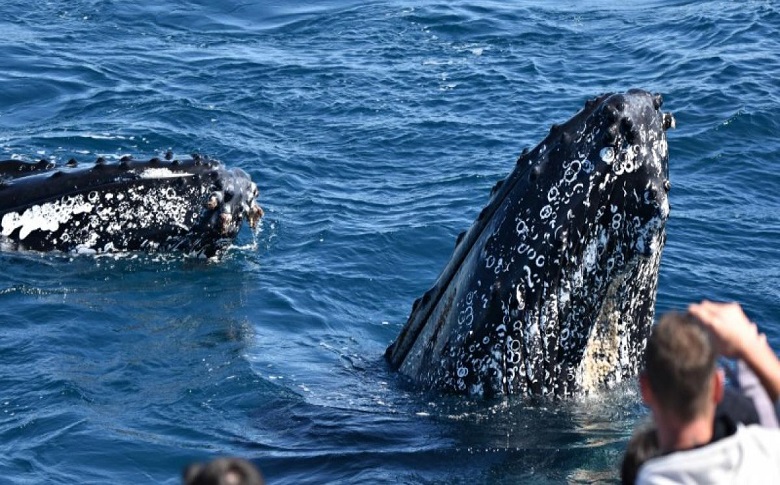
(645, 390)
(718, 379)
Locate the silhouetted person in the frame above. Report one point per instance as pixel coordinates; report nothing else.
(223, 471)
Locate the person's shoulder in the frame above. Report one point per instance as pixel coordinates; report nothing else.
(698, 465)
(750, 450)
(760, 435)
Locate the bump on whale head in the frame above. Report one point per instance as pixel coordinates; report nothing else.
(552, 289)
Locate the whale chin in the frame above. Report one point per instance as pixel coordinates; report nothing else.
(194, 205)
(552, 289)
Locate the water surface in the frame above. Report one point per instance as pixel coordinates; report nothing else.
(375, 131)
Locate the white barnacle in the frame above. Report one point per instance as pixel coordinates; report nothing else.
(572, 171)
(522, 247)
(514, 344)
(587, 166)
(466, 317)
(577, 187)
(616, 219)
(520, 296)
(607, 154)
(506, 319)
(521, 228)
(546, 212)
(528, 274)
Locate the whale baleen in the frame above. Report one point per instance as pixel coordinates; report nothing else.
(193, 205)
(552, 289)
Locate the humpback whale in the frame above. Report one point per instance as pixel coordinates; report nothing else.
(194, 205)
(552, 289)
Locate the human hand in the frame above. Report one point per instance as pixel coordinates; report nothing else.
(733, 333)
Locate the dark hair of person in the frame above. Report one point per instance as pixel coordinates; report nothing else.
(223, 471)
(679, 364)
(642, 446)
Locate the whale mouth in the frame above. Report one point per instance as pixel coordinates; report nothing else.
(565, 243)
(194, 205)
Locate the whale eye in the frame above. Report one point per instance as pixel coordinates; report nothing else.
(607, 154)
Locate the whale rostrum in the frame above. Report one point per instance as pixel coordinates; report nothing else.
(552, 289)
(193, 205)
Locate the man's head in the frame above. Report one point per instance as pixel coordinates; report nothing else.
(222, 471)
(680, 377)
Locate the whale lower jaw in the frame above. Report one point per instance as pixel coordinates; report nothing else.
(615, 339)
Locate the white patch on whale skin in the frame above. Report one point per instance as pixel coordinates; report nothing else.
(162, 173)
(610, 355)
(116, 216)
(602, 353)
(44, 217)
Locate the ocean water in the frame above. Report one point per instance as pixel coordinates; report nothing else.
(374, 131)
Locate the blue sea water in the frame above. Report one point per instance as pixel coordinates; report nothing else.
(374, 131)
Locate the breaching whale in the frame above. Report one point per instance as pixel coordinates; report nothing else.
(193, 205)
(552, 290)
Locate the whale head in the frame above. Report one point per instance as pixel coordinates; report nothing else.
(552, 289)
(195, 206)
